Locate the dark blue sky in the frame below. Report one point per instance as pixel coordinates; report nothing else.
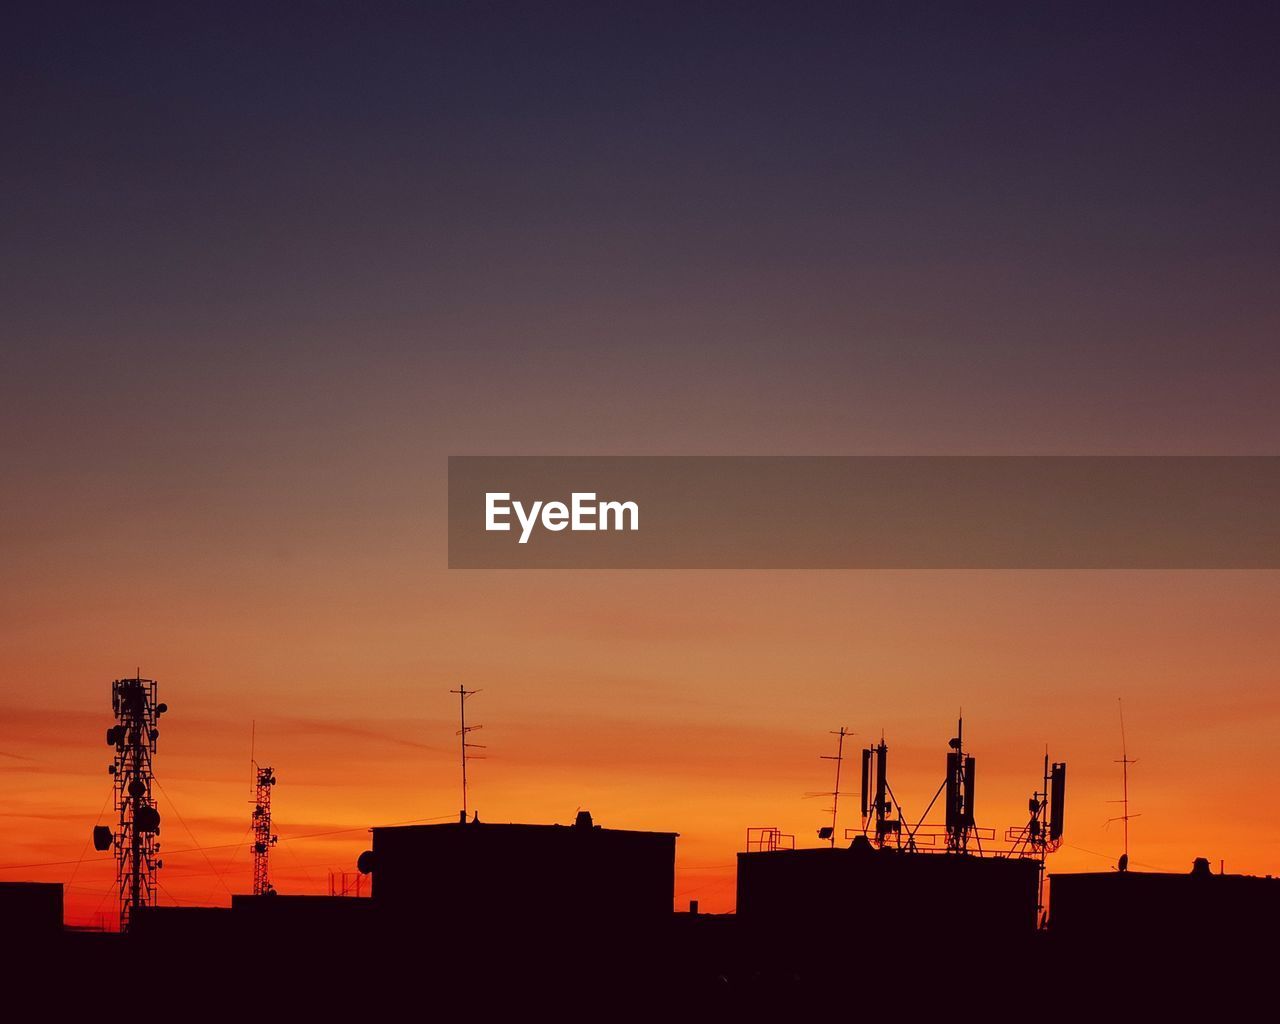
(721, 227)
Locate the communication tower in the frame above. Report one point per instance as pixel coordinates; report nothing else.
(877, 798)
(1042, 834)
(135, 841)
(263, 840)
(959, 794)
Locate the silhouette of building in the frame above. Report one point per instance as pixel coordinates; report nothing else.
(182, 927)
(1163, 908)
(823, 890)
(32, 910)
(507, 874)
(297, 922)
(303, 918)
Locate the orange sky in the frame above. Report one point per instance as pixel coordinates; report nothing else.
(695, 702)
(266, 275)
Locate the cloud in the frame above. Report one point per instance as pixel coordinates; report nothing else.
(369, 729)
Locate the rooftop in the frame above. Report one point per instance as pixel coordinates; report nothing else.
(582, 823)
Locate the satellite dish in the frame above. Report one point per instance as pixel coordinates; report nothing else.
(364, 863)
(146, 820)
(137, 789)
(102, 838)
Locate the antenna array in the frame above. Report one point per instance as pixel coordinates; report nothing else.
(135, 840)
(263, 839)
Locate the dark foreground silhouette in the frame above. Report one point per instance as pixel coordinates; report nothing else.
(1129, 943)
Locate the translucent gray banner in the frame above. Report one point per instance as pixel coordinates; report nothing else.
(864, 512)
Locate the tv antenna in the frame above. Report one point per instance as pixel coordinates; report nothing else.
(838, 758)
(1124, 761)
(466, 748)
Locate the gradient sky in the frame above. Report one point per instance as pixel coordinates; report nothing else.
(264, 270)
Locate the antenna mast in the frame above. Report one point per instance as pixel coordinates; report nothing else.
(263, 840)
(463, 693)
(838, 758)
(136, 847)
(877, 798)
(1124, 761)
(959, 793)
(1042, 834)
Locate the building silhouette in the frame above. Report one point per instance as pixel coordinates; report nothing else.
(483, 875)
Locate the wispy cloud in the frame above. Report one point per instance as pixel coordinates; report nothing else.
(368, 729)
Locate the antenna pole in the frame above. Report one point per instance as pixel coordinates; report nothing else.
(842, 732)
(465, 747)
(1123, 761)
(1124, 776)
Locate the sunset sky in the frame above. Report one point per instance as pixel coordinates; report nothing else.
(265, 271)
